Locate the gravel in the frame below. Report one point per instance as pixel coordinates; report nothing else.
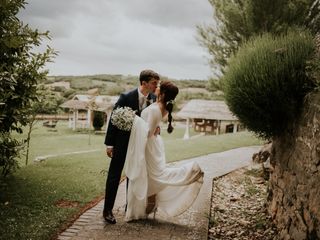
(238, 207)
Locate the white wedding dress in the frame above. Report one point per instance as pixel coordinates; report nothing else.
(176, 188)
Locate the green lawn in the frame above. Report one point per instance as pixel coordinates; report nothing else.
(28, 199)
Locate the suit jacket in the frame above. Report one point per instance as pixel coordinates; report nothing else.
(116, 137)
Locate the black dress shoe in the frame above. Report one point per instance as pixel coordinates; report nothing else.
(108, 216)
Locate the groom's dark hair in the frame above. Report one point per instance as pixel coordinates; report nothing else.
(147, 75)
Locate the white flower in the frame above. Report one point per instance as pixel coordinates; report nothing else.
(122, 118)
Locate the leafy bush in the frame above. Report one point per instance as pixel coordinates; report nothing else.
(68, 94)
(98, 120)
(59, 89)
(214, 85)
(267, 80)
(9, 151)
(21, 70)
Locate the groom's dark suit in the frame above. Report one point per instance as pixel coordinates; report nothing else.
(119, 140)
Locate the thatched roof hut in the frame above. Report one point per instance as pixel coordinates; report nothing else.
(98, 103)
(206, 109)
(75, 104)
(88, 103)
(208, 116)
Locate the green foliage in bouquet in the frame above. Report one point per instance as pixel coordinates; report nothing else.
(268, 79)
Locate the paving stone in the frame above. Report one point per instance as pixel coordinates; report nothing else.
(85, 218)
(67, 233)
(76, 226)
(63, 238)
(72, 230)
(78, 223)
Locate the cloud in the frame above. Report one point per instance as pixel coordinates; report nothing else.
(178, 13)
(123, 37)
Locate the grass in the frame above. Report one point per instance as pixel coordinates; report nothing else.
(181, 149)
(28, 199)
(212, 219)
(254, 172)
(64, 140)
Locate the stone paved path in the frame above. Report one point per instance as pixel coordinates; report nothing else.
(193, 224)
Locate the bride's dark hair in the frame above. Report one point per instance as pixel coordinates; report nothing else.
(169, 92)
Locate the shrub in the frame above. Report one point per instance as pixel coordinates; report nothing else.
(9, 151)
(267, 80)
(213, 85)
(70, 93)
(21, 70)
(59, 89)
(98, 120)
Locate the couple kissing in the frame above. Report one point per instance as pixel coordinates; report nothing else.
(151, 185)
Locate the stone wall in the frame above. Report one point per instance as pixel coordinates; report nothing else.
(294, 194)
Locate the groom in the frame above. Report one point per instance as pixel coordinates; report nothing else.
(117, 140)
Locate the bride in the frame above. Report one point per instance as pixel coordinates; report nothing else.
(153, 185)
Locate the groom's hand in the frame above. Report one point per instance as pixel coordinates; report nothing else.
(157, 131)
(109, 151)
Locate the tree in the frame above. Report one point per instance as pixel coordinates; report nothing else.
(238, 20)
(46, 102)
(98, 120)
(21, 69)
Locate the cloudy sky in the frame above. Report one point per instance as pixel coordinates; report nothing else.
(123, 36)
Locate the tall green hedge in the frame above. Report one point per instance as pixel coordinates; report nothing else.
(98, 120)
(267, 80)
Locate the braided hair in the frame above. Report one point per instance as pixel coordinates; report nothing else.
(169, 92)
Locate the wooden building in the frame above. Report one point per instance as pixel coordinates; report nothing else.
(210, 117)
(81, 108)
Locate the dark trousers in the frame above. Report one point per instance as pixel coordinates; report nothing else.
(114, 175)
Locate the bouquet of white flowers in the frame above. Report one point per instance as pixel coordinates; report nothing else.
(123, 118)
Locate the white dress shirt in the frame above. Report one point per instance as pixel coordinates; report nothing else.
(142, 100)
